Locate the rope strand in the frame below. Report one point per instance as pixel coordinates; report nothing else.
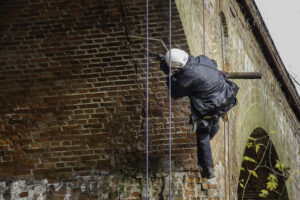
(170, 106)
(223, 68)
(228, 158)
(203, 16)
(147, 99)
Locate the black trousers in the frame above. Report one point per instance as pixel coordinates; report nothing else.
(206, 130)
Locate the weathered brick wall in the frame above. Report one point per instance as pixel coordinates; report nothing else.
(73, 86)
(185, 185)
(72, 98)
(72, 95)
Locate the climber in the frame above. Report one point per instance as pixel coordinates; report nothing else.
(211, 95)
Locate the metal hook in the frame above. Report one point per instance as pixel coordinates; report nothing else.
(154, 39)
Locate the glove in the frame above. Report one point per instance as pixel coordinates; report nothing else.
(160, 57)
(224, 74)
(163, 64)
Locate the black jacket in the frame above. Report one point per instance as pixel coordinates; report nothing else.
(210, 92)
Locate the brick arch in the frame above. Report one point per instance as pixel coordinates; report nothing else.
(255, 117)
(244, 129)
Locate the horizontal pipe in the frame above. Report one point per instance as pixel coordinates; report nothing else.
(244, 75)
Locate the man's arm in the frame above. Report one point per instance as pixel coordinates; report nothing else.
(163, 64)
(181, 81)
(181, 84)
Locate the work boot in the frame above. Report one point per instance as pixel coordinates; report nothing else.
(208, 173)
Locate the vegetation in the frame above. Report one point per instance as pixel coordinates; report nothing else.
(261, 157)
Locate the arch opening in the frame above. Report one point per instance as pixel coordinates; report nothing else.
(261, 175)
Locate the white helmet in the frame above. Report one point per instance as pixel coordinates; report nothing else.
(178, 57)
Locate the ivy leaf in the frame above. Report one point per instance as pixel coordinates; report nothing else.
(251, 138)
(279, 165)
(272, 177)
(249, 144)
(264, 193)
(272, 185)
(249, 159)
(242, 186)
(253, 173)
(242, 169)
(257, 147)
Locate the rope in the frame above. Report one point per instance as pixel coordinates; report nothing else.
(203, 16)
(228, 161)
(228, 167)
(170, 106)
(223, 63)
(147, 100)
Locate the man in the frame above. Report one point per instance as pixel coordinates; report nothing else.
(211, 95)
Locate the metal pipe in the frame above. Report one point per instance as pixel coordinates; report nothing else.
(244, 75)
(154, 39)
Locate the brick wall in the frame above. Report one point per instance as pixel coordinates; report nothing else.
(72, 98)
(73, 87)
(185, 185)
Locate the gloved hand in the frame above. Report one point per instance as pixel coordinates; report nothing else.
(224, 74)
(163, 64)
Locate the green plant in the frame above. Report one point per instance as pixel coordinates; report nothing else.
(277, 171)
